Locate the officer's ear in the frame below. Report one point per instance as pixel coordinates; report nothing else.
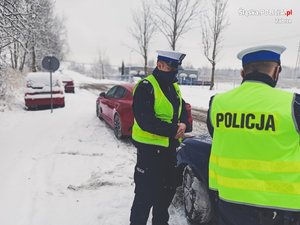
(276, 72)
(160, 65)
(242, 73)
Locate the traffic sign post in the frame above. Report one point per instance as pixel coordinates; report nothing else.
(51, 64)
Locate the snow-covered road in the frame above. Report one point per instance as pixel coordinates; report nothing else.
(65, 168)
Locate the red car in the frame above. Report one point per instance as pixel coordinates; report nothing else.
(38, 94)
(68, 84)
(115, 107)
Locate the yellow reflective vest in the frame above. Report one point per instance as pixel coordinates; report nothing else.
(163, 110)
(255, 157)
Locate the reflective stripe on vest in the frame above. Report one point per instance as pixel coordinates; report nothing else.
(163, 110)
(255, 156)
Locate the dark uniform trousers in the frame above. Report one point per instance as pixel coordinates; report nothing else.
(155, 185)
(235, 214)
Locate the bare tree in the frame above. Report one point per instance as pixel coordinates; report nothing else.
(213, 24)
(12, 25)
(101, 62)
(101, 68)
(46, 35)
(29, 26)
(175, 18)
(143, 30)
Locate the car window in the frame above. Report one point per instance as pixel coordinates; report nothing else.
(110, 93)
(120, 92)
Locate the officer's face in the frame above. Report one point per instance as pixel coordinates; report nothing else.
(162, 66)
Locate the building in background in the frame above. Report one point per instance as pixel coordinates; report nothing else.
(185, 77)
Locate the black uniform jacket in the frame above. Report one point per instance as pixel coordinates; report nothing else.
(143, 109)
(264, 78)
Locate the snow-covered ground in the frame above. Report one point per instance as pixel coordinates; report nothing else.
(63, 168)
(67, 168)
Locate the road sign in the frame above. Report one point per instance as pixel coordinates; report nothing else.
(50, 63)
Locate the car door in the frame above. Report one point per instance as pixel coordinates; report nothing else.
(105, 102)
(115, 101)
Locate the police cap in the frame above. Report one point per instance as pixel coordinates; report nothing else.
(261, 53)
(172, 58)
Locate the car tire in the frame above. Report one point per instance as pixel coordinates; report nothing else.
(196, 200)
(100, 113)
(97, 110)
(118, 127)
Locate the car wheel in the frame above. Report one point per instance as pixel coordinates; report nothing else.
(100, 113)
(196, 199)
(118, 127)
(97, 110)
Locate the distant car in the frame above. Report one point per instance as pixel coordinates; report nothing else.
(115, 107)
(192, 159)
(68, 84)
(37, 93)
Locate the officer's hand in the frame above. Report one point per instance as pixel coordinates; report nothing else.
(180, 130)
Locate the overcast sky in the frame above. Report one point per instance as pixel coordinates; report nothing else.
(103, 25)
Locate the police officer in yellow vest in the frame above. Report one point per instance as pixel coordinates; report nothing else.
(254, 165)
(160, 120)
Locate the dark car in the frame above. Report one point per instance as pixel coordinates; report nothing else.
(192, 158)
(115, 107)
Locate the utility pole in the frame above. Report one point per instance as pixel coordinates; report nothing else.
(297, 67)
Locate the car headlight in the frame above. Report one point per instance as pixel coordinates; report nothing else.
(29, 83)
(57, 84)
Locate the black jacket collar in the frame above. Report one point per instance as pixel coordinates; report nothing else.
(261, 77)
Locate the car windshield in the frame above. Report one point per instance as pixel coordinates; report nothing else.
(111, 92)
(42, 79)
(120, 92)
